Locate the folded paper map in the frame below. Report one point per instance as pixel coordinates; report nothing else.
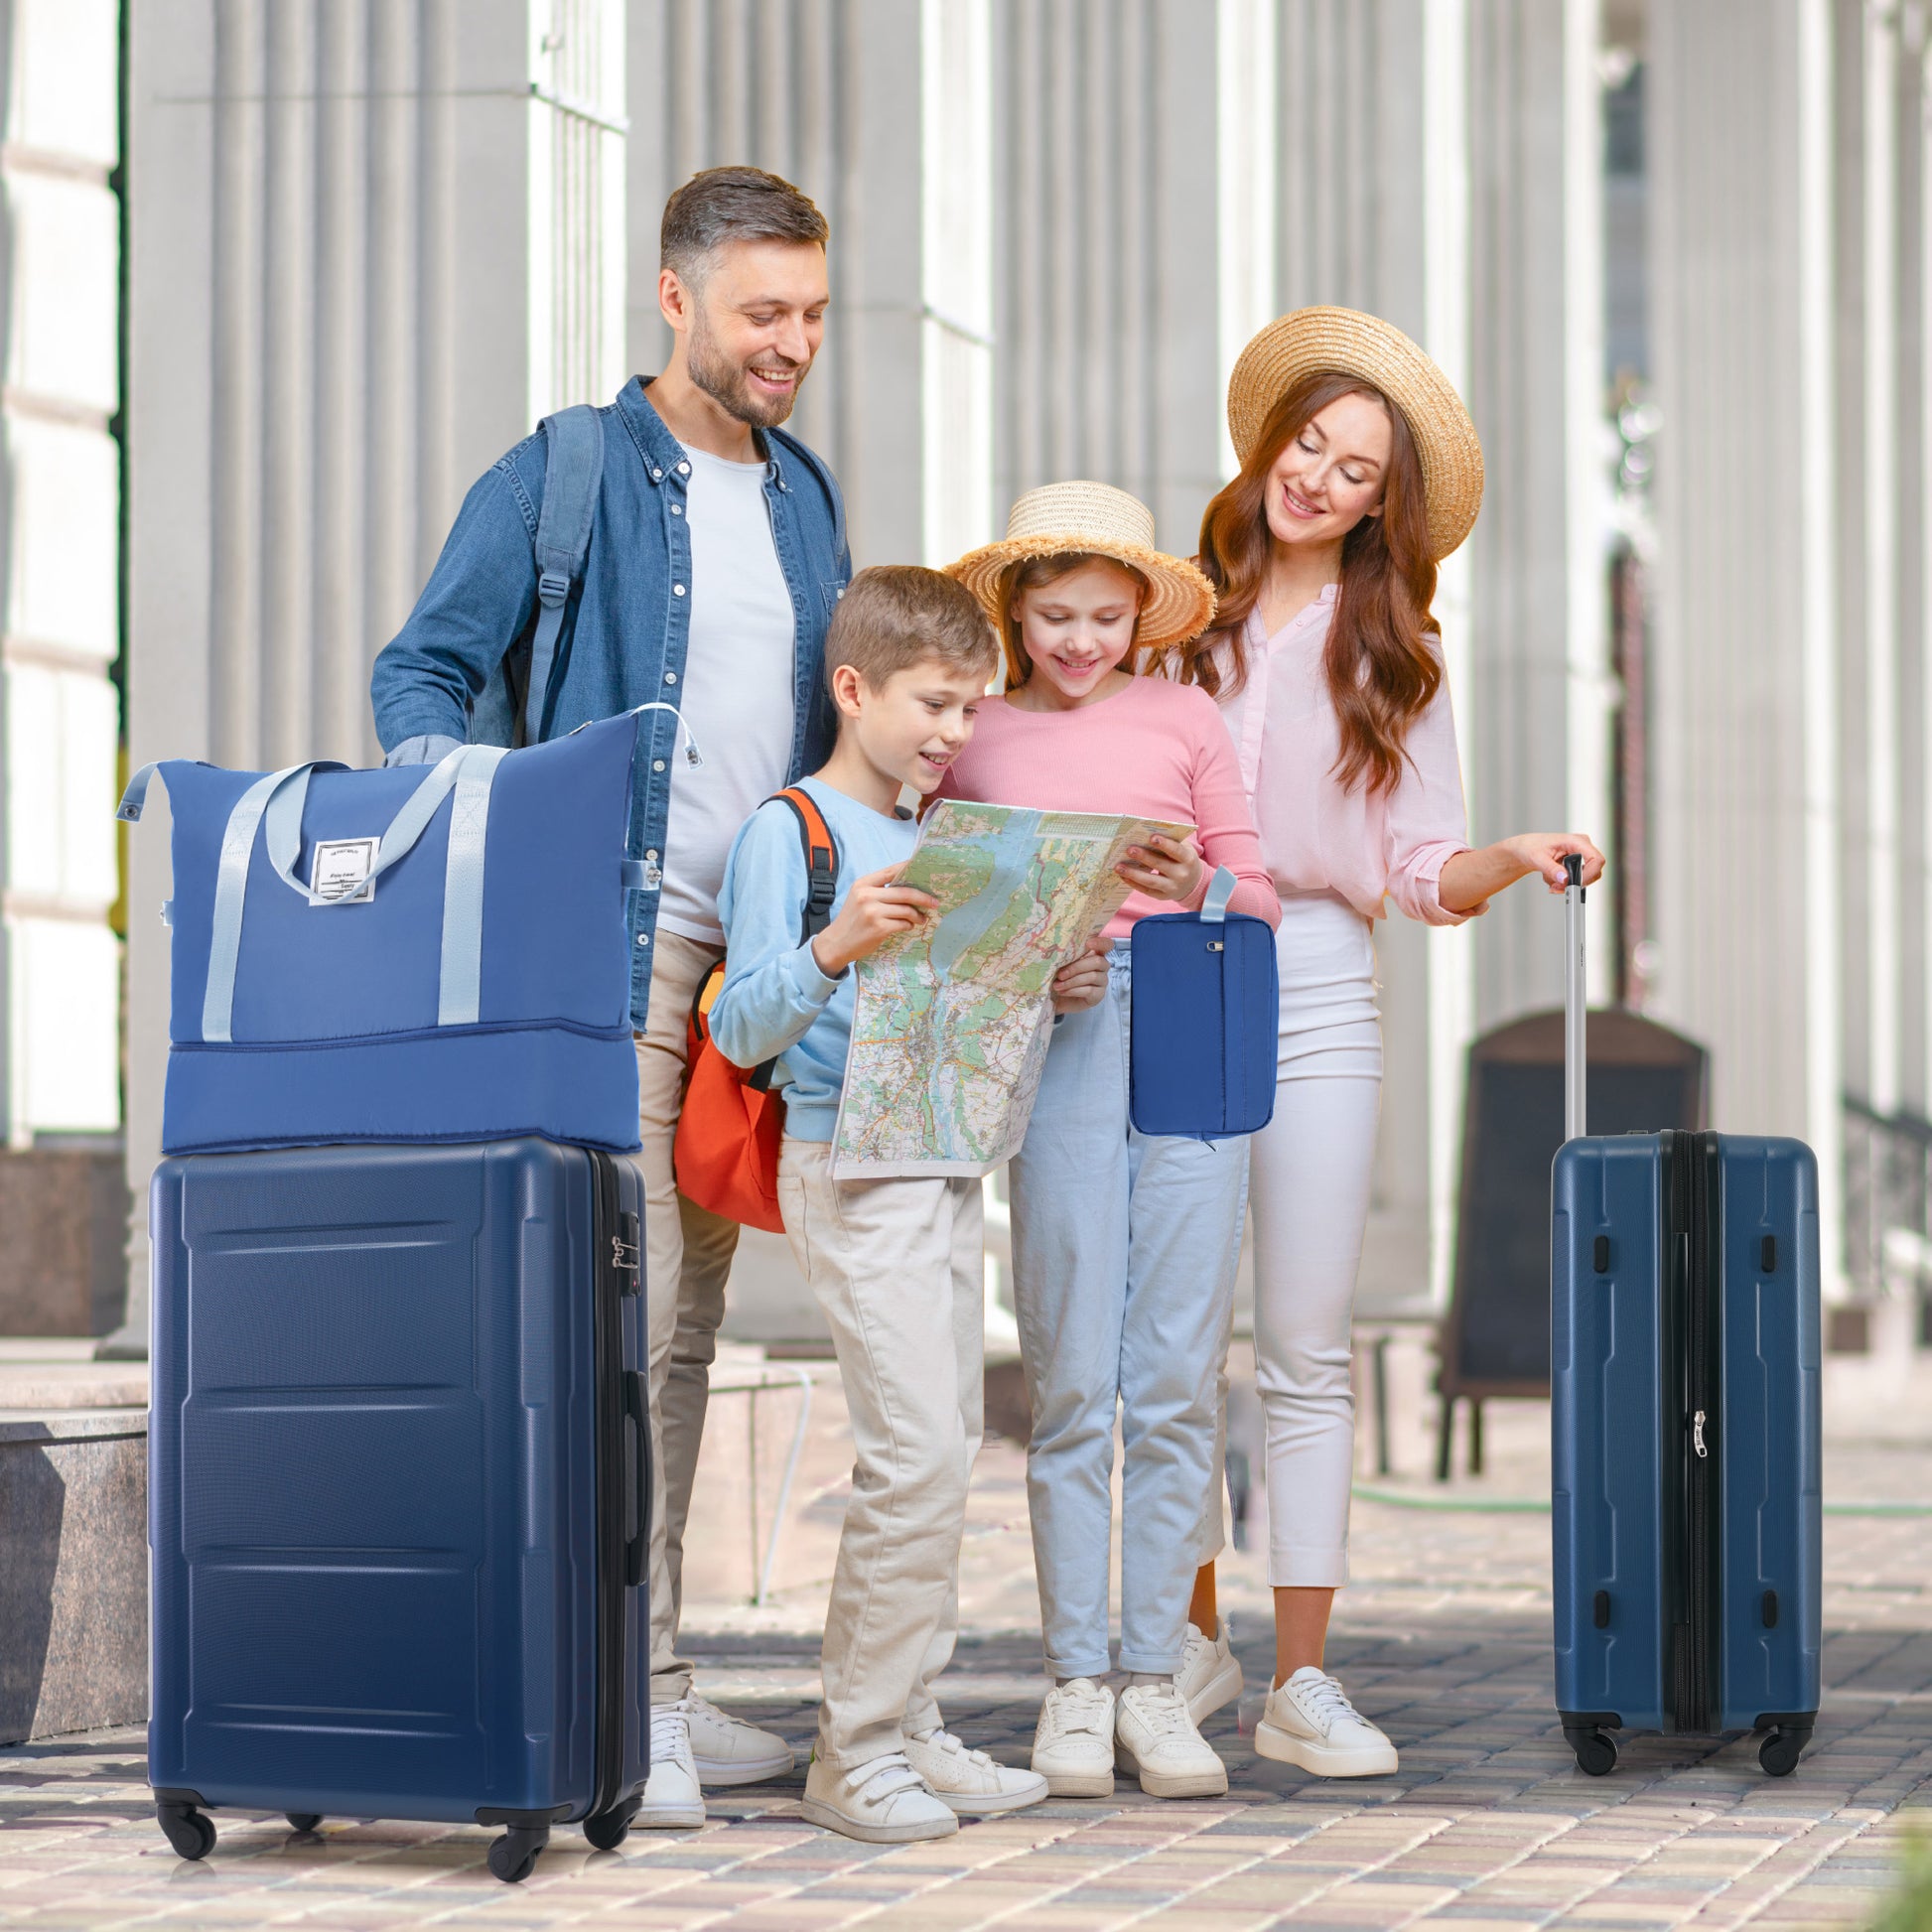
(951, 1021)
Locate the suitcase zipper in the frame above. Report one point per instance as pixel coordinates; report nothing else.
(607, 1249)
(1701, 1471)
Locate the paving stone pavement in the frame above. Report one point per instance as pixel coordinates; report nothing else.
(1442, 1637)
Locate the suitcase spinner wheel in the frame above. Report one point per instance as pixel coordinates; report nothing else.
(1596, 1748)
(303, 1821)
(190, 1830)
(1781, 1748)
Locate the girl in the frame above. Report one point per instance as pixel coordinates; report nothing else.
(1360, 471)
(1123, 1246)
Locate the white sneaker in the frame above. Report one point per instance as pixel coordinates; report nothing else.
(1154, 1734)
(1210, 1673)
(882, 1802)
(728, 1750)
(672, 1800)
(970, 1781)
(1073, 1743)
(1310, 1722)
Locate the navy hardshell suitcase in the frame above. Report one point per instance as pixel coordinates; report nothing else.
(399, 1487)
(1684, 1430)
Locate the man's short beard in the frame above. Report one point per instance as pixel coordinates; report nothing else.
(726, 384)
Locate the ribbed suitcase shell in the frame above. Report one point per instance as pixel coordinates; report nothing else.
(380, 1482)
(1622, 1437)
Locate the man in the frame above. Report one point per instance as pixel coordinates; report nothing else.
(716, 556)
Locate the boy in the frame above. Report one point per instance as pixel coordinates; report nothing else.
(896, 1264)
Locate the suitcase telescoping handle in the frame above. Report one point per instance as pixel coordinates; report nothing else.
(1574, 1049)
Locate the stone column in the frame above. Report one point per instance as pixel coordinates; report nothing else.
(60, 605)
(877, 109)
(1749, 865)
(368, 247)
(1106, 146)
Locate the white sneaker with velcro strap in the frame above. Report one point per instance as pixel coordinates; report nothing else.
(1310, 1722)
(882, 1801)
(969, 1781)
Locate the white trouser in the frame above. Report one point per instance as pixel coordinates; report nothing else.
(1310, 1187)
(898, 1267)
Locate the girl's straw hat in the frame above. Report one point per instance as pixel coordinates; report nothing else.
(1345, 342)
(1063, 517)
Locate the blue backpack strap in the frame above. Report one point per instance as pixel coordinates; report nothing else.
(571, 471)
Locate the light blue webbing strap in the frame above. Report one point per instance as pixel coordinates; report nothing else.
(230, 890)
(1214, 910)
(280, 798)
(573, 469)
(458, 990)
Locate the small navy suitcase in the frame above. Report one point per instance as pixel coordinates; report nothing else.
(1685, 1429)
(399, 1487)
(1206, 1012)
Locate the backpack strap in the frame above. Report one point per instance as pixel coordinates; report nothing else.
(822, 883)
(821, 860)
(571, 471)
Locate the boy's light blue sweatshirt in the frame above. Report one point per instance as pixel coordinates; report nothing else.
(775, 999)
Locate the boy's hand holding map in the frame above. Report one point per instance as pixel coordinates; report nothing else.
(952, 1015)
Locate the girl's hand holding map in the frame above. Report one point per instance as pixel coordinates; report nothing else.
(1162, 867)
(874, 911)
(1082, 980)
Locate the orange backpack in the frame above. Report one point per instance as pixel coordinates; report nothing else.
(728, 1131)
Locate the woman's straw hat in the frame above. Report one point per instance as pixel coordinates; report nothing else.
(1314, 342)
(1063, 517)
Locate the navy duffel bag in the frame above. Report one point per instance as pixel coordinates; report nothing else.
(426, 954)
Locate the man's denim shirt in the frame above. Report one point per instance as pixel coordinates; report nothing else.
(629, 622)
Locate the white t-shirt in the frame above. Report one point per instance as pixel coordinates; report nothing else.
(737, 688)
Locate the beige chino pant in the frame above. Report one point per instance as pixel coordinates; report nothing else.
(687, 1259)
(896, 1266)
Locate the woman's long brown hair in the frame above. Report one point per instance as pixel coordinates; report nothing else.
(1383, 673)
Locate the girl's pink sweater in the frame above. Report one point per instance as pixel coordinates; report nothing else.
(1153, 750)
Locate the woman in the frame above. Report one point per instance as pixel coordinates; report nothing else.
(1360, 471)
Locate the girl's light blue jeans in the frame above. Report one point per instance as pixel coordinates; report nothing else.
(1124, 1254)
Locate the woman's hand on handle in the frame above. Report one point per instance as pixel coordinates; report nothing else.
(1469, 879)
(1162, 867)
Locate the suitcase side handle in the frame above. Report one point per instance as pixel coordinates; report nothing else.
(1575, 1045)
(636, 1410)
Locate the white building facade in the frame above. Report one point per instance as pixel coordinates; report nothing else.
(371, 243)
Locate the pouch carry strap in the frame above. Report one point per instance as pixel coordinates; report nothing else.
(469, 771)
(1220, 888)
(1575, 1047)
(573, 469)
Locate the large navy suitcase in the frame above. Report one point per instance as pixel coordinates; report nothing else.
(399, 1488)
(1685, 1429)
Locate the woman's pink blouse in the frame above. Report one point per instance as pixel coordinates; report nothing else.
(1154, 749)
(1317, 837)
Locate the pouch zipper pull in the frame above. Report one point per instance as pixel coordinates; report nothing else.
(1696, 1434)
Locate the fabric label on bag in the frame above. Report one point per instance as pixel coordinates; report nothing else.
(341, 871)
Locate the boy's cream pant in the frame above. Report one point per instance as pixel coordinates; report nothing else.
(896, 1266)
(688, 1258)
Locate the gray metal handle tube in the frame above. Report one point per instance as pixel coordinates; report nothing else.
(1575, 1116)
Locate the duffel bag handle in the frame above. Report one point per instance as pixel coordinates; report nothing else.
(469, 771)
